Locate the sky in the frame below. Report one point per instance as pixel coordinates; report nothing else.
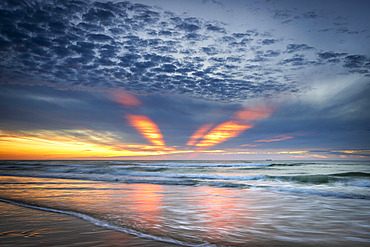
(176, 79)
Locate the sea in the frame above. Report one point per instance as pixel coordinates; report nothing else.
(204, 203)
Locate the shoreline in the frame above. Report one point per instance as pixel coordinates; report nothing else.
(27, 226)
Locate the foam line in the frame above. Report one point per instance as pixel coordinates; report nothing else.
(105, 224)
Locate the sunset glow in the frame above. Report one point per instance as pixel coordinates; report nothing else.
(158, 78)
(48, 145)
(184, 122)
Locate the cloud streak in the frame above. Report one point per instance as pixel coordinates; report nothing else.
(222, 132)
(147, 128)
(275, 139)
(199, 134)
(240, 122)
(125, 98)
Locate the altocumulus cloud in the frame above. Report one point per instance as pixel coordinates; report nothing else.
(145, 49)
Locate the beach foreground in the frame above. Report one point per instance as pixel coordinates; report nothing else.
(21, 226)
(189, 203)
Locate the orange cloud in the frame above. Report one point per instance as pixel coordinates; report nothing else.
(276, 139)
(318, 156)
(199, 134)
(147, 128)
(125, 98)
(222, 132)
(253, 113)
(249, 145)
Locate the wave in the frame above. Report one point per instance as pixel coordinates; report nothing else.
(319, 192)
(105, 224)
(291, 164)
(352, 174)
(214, 183)
(359, 179)
(192, 164)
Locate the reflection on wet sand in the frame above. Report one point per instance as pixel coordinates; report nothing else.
(211, 214)
(135, 205)
(145, 203)
(20, 226)
(225, 214)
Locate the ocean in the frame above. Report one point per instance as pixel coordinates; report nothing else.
(204, 203)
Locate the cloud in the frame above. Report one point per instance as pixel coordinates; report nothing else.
(275, 139)
(358, 63)
(240, 122)
(125, 98)
(147, 128)
(351, 152)
(253, 113)
(222, 132)
(269, 41)
(199, 134)
(331, 55)
(144, 49)
(249, 145)
(297, 47)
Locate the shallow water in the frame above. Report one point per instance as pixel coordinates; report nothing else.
(204, 203)
(27, 227)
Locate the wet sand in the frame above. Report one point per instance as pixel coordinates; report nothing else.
(20, 226)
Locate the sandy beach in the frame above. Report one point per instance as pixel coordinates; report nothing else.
(22, 226)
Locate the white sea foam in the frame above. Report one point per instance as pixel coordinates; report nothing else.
(106, 224)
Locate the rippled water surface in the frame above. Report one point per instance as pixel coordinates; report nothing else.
(204, 202)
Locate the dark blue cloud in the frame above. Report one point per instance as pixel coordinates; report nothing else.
(87, 44)
(357, 63)
(330, 55)
(269, 41)
(214, 28)
(297, 47)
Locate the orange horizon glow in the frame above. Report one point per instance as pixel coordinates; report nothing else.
(318, 156)
(71, 145)
(91, 144)
(147, 128)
